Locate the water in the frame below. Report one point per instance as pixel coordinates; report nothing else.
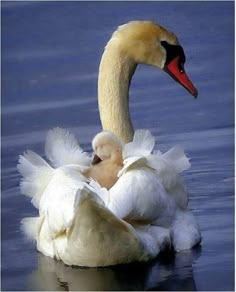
(50, 58)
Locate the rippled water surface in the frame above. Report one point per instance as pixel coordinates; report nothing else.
(50, 58)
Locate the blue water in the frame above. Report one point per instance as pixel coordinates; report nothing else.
(50, 58)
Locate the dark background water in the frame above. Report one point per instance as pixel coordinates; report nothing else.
(50, 57)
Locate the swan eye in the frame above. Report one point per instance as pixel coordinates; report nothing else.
(181, 67)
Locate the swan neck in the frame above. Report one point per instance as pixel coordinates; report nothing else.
(115, 74)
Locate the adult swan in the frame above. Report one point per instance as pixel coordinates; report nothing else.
(82, 223)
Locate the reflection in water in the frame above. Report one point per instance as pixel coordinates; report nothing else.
(167, 272)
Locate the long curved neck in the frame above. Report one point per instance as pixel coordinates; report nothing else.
(115, 73)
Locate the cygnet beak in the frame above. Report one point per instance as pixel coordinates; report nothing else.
(96, 159)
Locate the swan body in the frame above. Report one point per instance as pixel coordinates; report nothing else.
(144, 208)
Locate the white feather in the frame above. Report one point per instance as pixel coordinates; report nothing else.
(178, 158)
(139, 195)
(30, 227)
(57, 202)
(164, 168)
(142, 144)
(168, 167)
(36, 174)
(185, 231)
(85, 192)
(132, 163)
(62, 148)
(101, 192)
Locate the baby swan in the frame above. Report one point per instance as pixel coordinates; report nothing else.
(107, 161)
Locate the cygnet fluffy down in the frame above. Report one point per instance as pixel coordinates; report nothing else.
(107, 160)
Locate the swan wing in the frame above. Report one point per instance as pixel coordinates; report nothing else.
(97, 237)
(139, 195)
(62, 148)
(57, 201)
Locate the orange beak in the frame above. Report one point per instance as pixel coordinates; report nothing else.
(177, 72)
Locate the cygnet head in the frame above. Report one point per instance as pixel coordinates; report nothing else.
(148, 43)
(107, 146)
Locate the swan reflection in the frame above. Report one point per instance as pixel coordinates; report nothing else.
(167, 272)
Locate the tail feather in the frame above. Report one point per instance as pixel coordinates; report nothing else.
(36, 174)
(62, 148)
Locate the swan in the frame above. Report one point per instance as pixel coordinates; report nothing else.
(145, 210)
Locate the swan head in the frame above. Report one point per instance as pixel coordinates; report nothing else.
(107, 146)
(145, 42)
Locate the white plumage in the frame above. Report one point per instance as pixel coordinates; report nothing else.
(62, 148)
(37, 173)
(144, 197)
